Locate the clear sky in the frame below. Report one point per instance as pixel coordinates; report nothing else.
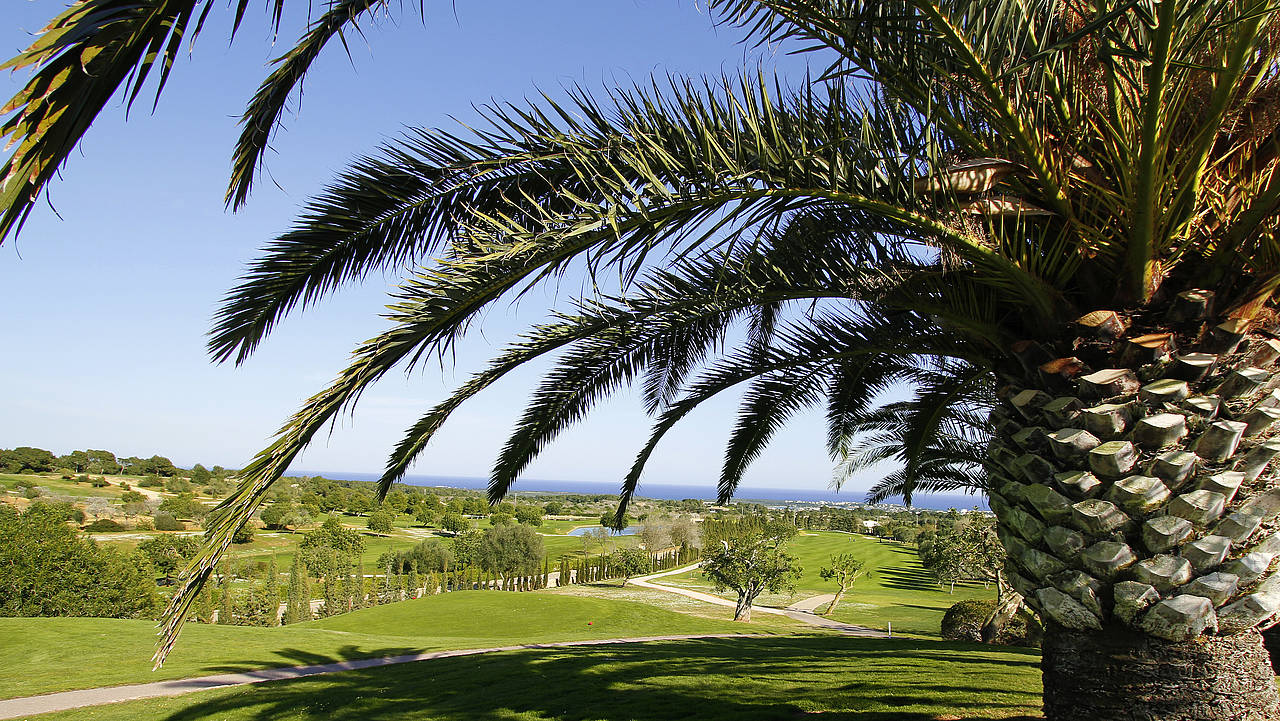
(105, 309)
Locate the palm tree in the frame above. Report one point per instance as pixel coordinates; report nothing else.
(1065, 210)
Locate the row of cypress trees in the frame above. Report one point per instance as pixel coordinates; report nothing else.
(348, 588)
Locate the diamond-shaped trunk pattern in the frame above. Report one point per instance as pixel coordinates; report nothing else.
(1143, 498)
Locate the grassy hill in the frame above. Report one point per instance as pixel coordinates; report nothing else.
(898, 590)
(57, 654)
(740, 679)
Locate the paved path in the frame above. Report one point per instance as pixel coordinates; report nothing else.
(810, 605)
(804, 616)
(48, 703)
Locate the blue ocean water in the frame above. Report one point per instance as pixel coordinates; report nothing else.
(670, 491)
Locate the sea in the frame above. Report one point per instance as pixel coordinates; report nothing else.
(676, 492)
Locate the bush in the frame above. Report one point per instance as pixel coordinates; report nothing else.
(49, 569)
(164, 521)
(382, 521)
(151, 482)
(963, 622)
(243, 534)
(98, 482)
(104, 525)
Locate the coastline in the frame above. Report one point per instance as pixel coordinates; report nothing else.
(669, 491)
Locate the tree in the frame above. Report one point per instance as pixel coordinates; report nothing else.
(510, 549)
(184, 505)
(243, 534)
(654, 534)
(382, 521)
(166, 521)
(684, 532)
(630, 561)
(99, 461)
(169, 553)
(47, 568)
(426, 515)
(466, 547)
(277, 515)
(200, 475)
(750, 563)
(529, 515)
(1049, 202)
(454, 523)
(25, 459)
(615, 522)
(298, 604)
(501, 519)
(844, 569)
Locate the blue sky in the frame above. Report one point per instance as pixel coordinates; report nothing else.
(106, 307)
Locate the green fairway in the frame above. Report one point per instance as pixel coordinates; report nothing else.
(56, 485)
(898, 590)
(740, 679)
(54, 654)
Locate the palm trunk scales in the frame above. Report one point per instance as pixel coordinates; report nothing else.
(1132, 483)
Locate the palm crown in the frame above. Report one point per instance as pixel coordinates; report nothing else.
(965, 179)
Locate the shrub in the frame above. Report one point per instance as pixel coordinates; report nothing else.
(165, 521)
(47, 568)
(382, 521)
(179, 485)
(963, 622)
(169, 553)
(104, 525)
(98, 482)
(243, 534)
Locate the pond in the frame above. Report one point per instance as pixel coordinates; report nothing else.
(628, 531)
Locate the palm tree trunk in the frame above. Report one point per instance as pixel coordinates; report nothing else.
(1134, 495)
(1120, 675)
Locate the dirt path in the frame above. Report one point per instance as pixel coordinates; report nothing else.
(799, 615)
(65, 700)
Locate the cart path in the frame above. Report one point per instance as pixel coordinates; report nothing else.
(810, 605)
(800, 615)
(65, 700)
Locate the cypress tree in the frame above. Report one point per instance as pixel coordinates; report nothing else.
(205, 604)
(299, 605)
(225, 612)
(273, 592)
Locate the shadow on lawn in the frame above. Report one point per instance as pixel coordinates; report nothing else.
(713, 679)
(913, 579)
(299, 657)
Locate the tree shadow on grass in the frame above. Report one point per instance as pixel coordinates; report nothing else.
(300, 657)
(913, 579)
(742, 679)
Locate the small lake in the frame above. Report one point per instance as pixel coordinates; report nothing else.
(628, 531)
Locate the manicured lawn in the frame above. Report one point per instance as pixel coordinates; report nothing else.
(740, 679)
(53, 654)
(558, 546)
(898, 591)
